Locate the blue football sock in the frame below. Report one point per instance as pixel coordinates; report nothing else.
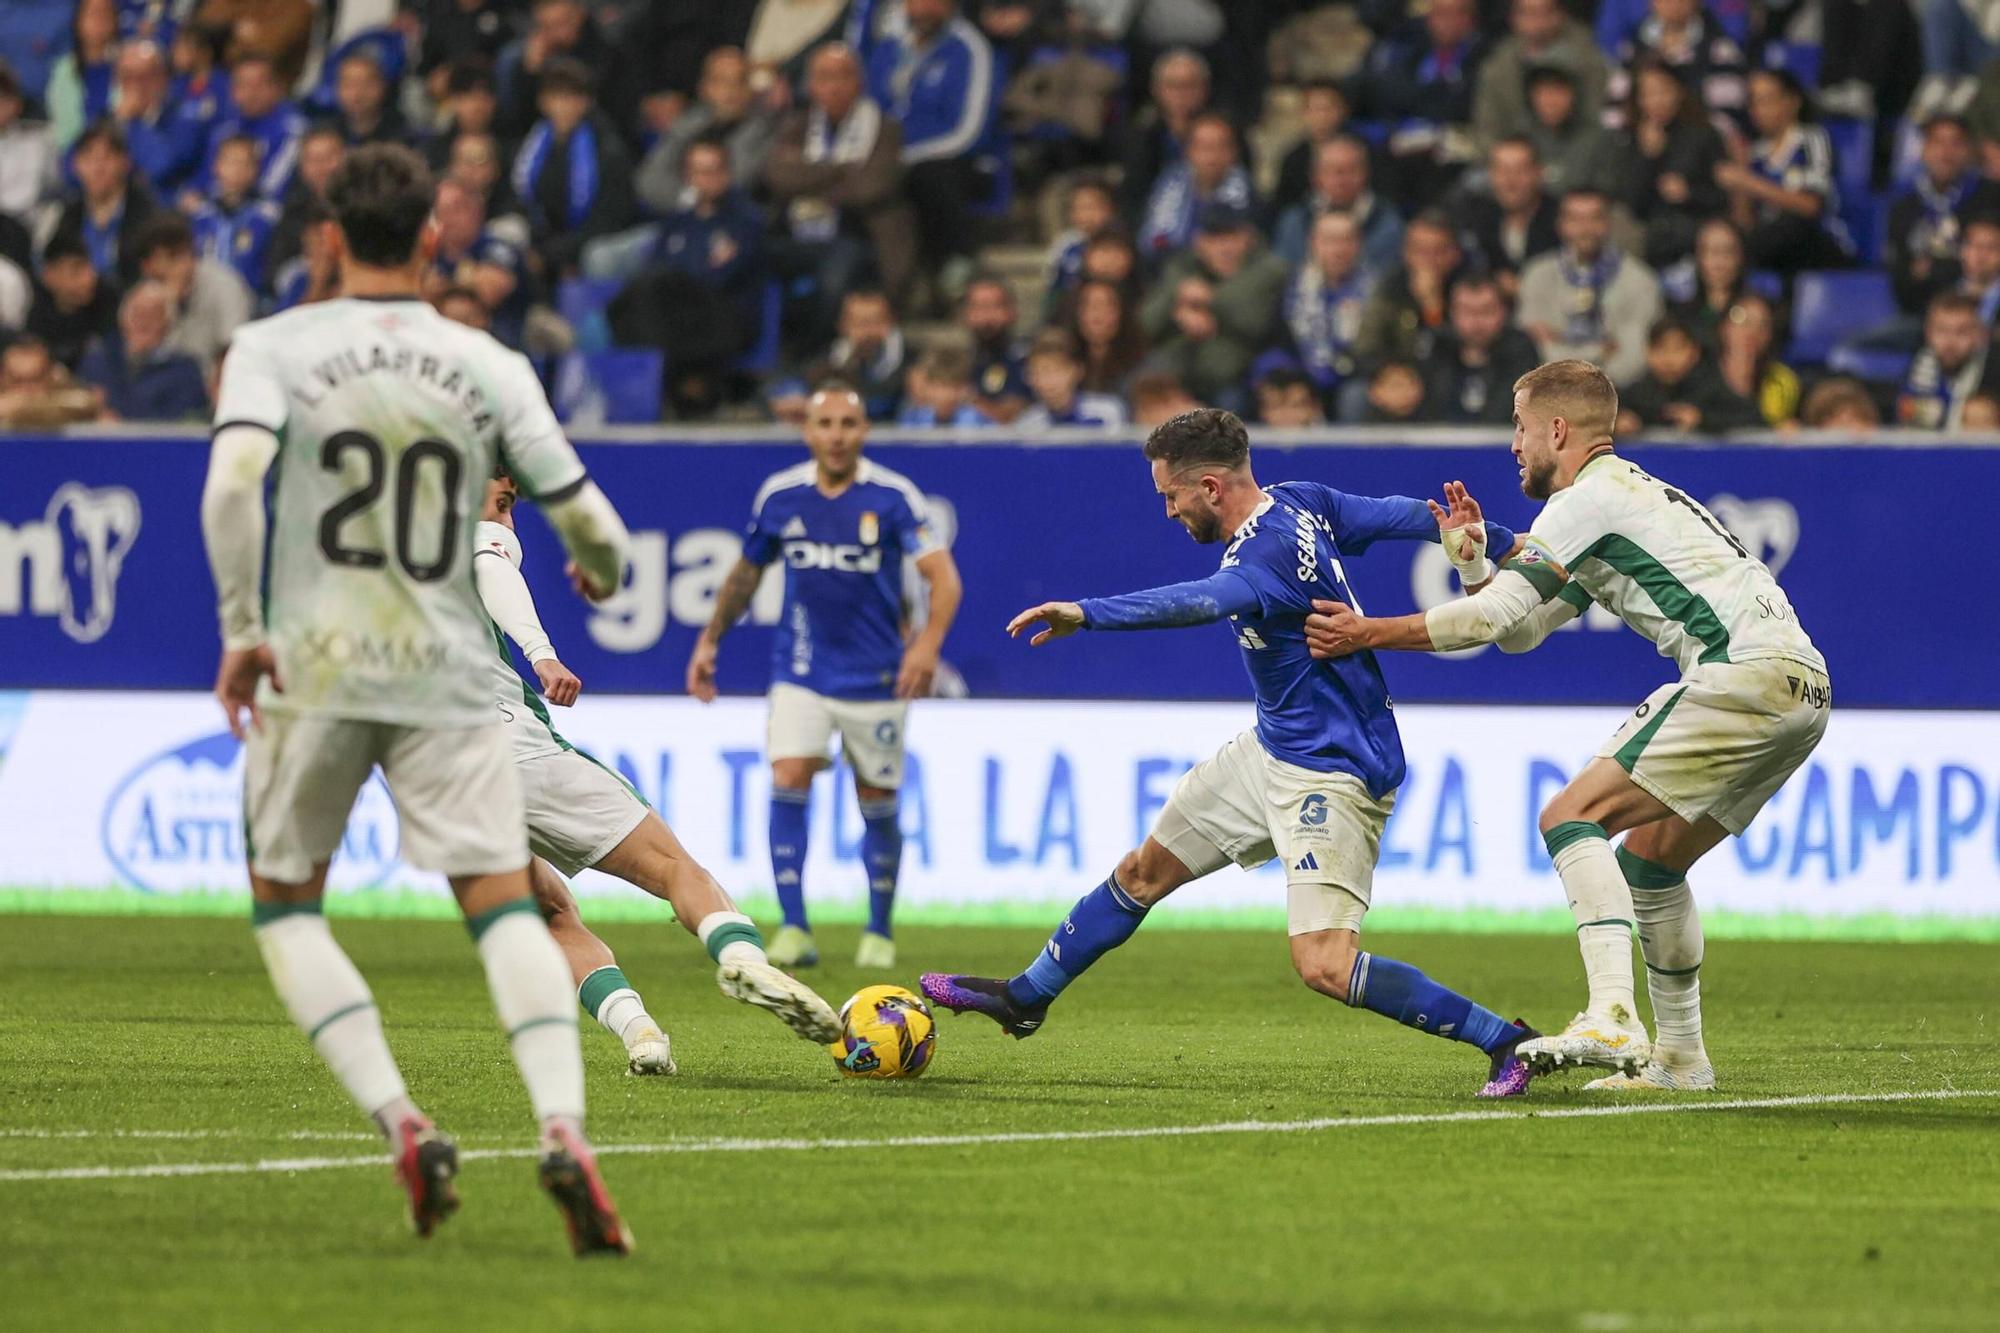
(882, 853)
(1102, 920)
(788, 851)
(1399, 991)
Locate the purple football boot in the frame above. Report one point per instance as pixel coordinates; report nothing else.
(983, 995)
(1511, 1075)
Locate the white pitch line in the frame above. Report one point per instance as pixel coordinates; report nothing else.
(299, 1135)
(269, 1165)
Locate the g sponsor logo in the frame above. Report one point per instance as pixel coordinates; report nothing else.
(68, 562)
(1312, 811)
(175, 823)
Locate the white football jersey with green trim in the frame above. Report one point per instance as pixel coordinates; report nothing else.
(1659, 561)
(390, 419)
(529, 729)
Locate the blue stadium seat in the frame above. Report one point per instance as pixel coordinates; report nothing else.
(1830, 306)
(620, 386)
(582, 302)
(1877, 365)
(1853, 155)
(762, 358)
(1801, 59)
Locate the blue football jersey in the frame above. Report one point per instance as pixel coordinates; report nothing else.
(842, 629)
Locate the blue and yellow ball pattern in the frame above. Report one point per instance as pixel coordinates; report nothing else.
(885, 1032)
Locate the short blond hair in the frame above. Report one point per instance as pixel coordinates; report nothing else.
(1577, 391)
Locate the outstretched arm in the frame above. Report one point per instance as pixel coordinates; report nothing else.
(1202, 602)
(1497, 613)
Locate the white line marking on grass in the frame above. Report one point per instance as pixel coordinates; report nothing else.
(297, 1135)
(691, 1145)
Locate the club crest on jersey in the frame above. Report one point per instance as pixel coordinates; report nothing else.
(871, 528)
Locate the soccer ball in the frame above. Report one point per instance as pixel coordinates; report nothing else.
(885, 1032)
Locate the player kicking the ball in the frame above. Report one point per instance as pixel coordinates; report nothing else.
(1312, 784)
(582, 814)
(366, 646)
(1694, 763)
(845, 527)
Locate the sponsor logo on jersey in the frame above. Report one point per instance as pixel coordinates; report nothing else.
(834, 555)
(175, 823)
(69, 560)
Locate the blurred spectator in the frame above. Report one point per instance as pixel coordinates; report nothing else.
(1975, 274)
(1953, 366)
(313, 274)
(1926, 220)
(1669, 152)
(1409, 304)
(1517, 220)
(571, 173)
(72, 304)
(1215, 305)
(1420, 79)
(471, 257)
(1395, 394)
(28, 157)
(1981, 414)
(1287, 400)
(320, 154)
(1783, 194)
(1090, 211)
(1681, 389)
(1055, 373)
(1210, 173)
(833, 173)
(1108, 339)
(1840, 403)
(200, 88)
(79, 88)
(264, 114)
(1541, 36)
(469, 106)
(998, 370)
(234, 226)
(1180, 92)
(460, 35)
(280, 29)
(37, 391)
(1158, 396)
(1748, 365)
(166, 146)
(1340, 185)
(366, 103)
(1716, 281)
(16, 296)
(559, 31)
(475, 163)
(1958, 41)
(700, 298)
(932, 72)
(1470, 370)
(1589, 299)
(1323, 304)
(1112, 258)
(110, 204)
(939, 391)
(1323, 112)
(1685, 36)
(207, 298)
(1577, 152)
(870, 353)
(461, 305)
(140, 376)
(725, 109)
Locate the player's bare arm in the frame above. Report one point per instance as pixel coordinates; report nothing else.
(731, 601)
(920, 659)
(1516, 609)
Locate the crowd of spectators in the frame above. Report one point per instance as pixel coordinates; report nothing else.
(1379, 211)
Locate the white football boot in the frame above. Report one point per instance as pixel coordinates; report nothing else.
(793, 948)
(875, 950)
(795, 1003)
(649, 1052)
(1667, 1071)
(1616, 1040)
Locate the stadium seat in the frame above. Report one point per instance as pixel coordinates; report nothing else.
(582, 303)
(1853, 143)
(1800, 59)
(619, 386)
(1877, 365)
(1830, 306)
(762, 358)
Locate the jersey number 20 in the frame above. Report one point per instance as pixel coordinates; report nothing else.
(332, 457)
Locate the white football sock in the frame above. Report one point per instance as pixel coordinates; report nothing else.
(531, 993)
(610, 999)
(1670, 939)
(327, 998)
(1602, 904)
(731, 937)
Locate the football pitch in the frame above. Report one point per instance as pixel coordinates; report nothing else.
(1194, 1141)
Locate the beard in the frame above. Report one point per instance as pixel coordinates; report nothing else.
(1538, 482)
(1204, 528)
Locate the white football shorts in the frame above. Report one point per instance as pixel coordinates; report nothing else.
(871, 731)
(577, 809)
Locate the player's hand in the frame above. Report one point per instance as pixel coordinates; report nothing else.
(1060, 618)
(1334, 630)
(1462, 526)
(236, 686)
(559, 684)
(701, 670)
(585, 586)
(920, 666)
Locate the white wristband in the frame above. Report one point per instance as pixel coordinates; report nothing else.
(1473, 567)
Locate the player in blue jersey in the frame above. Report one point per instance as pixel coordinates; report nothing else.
(1312, 784)
(840, 661)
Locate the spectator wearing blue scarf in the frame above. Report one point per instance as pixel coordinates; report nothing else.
(1323, 305)
(572, 174)
(265, 115)
(110, 204)
(233, 226)
(1209, 173)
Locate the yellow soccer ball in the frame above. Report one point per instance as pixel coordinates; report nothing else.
(885, 1032)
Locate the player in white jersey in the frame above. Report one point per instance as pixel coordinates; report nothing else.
(1694, 763)
(582, 814)
(365, 644)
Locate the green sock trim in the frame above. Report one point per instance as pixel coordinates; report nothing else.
(263, 914)
(1572, 831)
(482, 923)
(1643, 874)
(566, 1021)
(1673, 971)
(733, 932)
(1609, 921)
(598, 987)
(337, 1015)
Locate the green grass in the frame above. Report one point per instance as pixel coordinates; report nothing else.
(1839, 1216)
